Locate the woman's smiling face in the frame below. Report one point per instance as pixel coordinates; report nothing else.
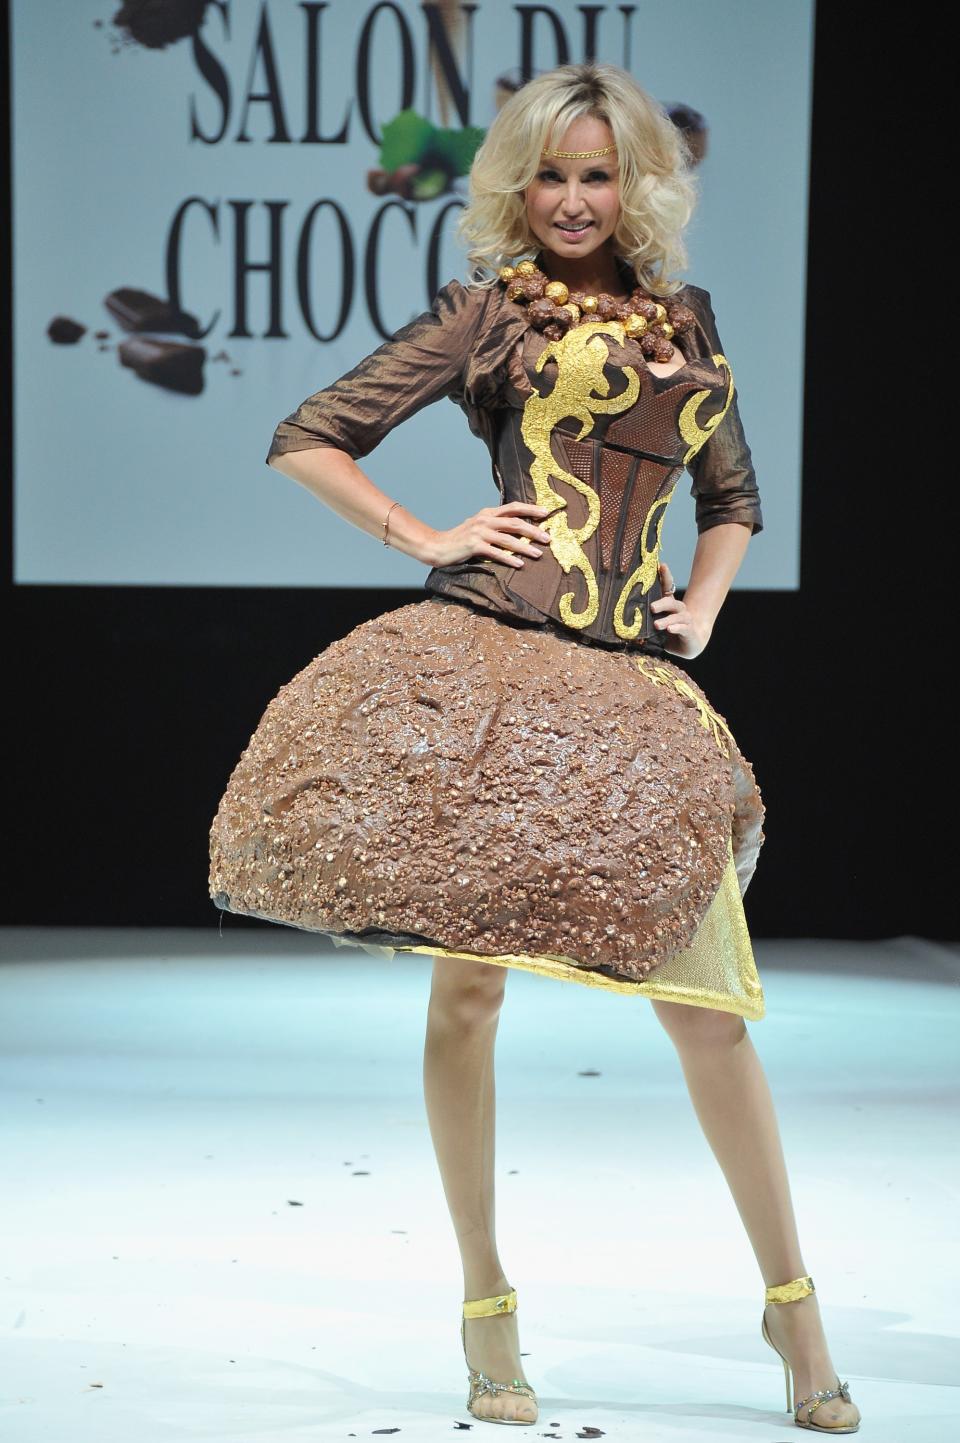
(573, 205)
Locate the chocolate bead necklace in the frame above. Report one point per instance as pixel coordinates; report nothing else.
(554, 309)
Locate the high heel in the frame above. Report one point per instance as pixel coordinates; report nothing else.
(790, 1293)
(479, 1382)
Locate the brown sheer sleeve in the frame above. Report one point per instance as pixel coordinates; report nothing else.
(423, 361)
(724, 481)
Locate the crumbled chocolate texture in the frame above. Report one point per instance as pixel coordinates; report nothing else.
(442, 776)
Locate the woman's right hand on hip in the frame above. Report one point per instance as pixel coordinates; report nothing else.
(503, 533)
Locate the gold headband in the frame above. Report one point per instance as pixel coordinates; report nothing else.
(581, 154)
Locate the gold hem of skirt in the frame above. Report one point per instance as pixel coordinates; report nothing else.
(717, 970)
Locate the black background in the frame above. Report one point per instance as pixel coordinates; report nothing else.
(128, 706)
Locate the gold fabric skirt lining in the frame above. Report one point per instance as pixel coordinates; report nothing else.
(717, 970)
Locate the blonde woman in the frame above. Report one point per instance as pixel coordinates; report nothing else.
(515, 771)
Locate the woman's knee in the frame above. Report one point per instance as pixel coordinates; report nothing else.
(466, 992)
(689, 1026)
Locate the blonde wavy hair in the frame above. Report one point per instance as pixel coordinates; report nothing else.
(658, 190)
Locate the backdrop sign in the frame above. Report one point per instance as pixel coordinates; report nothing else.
(221, 205)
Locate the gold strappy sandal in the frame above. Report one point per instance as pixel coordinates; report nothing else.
(479, 1382)
(790, 1293)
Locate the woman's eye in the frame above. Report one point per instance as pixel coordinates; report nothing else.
(594, 175)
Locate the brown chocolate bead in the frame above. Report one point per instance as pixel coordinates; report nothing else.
(542, 312)
(533, 286)
(682, 319)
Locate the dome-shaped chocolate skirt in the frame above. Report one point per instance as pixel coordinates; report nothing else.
(440, 775)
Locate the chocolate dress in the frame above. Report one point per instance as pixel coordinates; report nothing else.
(512, 769)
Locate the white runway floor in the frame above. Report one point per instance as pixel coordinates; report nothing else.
(221, 1218)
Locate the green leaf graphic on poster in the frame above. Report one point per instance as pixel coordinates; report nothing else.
(405, 139)
(411, 139)
(458, 147)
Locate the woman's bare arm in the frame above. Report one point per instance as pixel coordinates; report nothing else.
(688, 624)
(716, 562)
(336, 479)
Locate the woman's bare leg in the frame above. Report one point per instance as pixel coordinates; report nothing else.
(731, 1097)
(458, 1086)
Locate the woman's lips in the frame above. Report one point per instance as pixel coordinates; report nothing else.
(574, 234)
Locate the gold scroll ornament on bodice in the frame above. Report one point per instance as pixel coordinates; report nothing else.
(581, 391)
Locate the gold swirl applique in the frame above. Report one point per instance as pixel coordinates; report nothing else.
(645, 574)
(580, 389)
(694, 434)
(709, 719)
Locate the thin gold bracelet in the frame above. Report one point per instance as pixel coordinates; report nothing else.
(386, 522)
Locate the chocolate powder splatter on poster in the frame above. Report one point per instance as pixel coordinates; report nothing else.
(158, 23)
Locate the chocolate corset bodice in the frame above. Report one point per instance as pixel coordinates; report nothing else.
(587, 429)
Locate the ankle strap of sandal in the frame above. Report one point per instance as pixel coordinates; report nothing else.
(486, 1307)
(790, 1292)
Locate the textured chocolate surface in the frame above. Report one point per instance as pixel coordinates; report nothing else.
(442, 775)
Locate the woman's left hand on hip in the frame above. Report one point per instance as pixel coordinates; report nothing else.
(684, 632)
